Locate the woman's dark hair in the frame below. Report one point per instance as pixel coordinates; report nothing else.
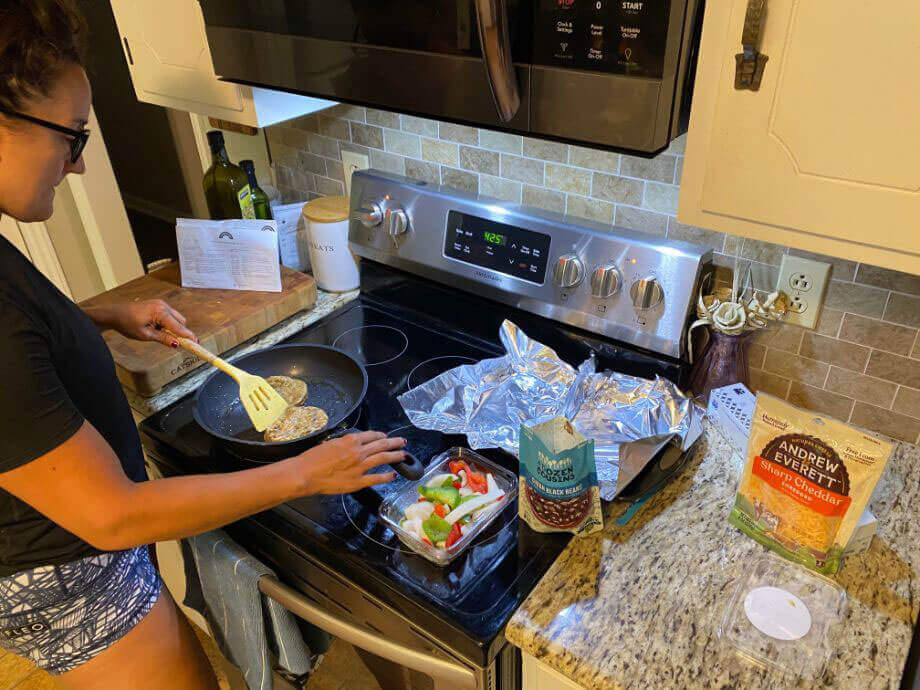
(38, 38)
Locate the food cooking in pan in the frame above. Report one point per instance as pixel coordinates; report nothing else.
(293, 390)
(297, 421)
(450, 504)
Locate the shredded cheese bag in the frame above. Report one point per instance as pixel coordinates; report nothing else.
(807, 480)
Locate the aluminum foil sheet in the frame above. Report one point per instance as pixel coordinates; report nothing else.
(488, 401)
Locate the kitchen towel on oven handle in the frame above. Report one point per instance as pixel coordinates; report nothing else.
(245, 624)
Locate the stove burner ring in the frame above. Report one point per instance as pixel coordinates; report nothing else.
(421, 375)
(392, 340)
(367, 536)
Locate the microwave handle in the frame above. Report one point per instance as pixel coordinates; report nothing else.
(492, 19)
(450, 674)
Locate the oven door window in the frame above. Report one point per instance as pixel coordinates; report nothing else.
(446, 27)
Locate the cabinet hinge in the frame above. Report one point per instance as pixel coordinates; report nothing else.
(750, 63)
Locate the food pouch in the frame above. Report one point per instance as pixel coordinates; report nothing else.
(806, 482)
(558, 480)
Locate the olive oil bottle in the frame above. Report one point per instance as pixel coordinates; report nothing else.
(260, 203)
(226, 188)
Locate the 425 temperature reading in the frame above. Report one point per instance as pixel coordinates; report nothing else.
(495, 238)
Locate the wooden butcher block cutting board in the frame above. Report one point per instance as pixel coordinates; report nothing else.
(222, 319)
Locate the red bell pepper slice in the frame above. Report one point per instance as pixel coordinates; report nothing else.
(475, 480)
(440, 509)
(454, 535)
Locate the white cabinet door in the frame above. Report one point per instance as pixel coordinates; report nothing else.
(167, 52)
(539, 676)
(826, 155)
(33, 241)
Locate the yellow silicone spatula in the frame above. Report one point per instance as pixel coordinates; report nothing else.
(262, 403)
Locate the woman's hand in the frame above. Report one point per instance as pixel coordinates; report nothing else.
(143, 321)
(340, 466)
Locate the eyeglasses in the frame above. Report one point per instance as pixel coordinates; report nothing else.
(78, 137)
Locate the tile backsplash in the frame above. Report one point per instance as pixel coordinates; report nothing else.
(860, 364)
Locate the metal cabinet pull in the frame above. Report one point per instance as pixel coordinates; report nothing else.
(492, 19)
(749, 63)
(452, 675)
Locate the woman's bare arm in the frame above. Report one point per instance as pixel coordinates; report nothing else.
(80, 485)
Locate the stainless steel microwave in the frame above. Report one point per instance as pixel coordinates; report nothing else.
(613, 73)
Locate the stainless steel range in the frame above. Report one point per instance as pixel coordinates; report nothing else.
(442, 270)
(630, 286)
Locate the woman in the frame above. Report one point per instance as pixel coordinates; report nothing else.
(78, 594)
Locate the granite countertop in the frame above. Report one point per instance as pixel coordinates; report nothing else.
(326, 302)
(638, 605)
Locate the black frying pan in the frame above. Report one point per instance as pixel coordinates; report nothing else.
(336, 383)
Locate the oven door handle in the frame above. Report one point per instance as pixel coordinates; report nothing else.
(452, 675)
(492, 19)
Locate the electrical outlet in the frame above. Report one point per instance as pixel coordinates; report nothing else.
(804, 282)
(352, 161)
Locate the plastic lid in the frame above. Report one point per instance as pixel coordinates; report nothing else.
(327, 209)
(781, 615)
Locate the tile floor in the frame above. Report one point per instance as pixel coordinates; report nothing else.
(342, 669)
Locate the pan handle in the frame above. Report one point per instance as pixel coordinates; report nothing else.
(411, 468)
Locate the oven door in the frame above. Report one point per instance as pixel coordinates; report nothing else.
(442, 58)
(389, 644)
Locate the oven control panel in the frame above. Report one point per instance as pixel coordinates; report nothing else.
(627, 285)
(497, 246)
(619, 36)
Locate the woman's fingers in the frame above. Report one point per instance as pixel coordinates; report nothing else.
(374, 479)
(387, 458)
(382, 445)
(167, 320)
(365, 437)
(176, 315)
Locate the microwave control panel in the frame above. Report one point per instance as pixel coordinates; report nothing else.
(615, 36)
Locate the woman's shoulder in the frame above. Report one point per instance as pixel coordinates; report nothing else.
(21, 293)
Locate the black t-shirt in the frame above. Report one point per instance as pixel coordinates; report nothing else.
(57, 372)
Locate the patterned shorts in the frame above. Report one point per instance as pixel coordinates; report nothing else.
(60, 616)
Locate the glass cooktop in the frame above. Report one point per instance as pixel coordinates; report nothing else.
(406, 331)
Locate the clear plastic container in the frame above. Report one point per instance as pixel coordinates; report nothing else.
(392, 509)
(781, 615)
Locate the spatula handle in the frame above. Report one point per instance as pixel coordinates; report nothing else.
(206, 355)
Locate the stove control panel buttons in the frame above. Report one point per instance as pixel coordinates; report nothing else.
(605, 281)
(646, 293)
(569, 271)
(369, 215)
(395, 221)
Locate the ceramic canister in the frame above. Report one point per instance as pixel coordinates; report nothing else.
(335, 268)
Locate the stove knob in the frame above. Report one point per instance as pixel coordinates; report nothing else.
(396, 221)
(605, 281)
(569, 271)
(646, 293)
(369, 215)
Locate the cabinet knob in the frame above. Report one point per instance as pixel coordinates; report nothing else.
(646, 293)
(605, 281)
(569, 271)
(396, 221)
(369, 215)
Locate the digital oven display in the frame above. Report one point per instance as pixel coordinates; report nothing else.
(496, 246)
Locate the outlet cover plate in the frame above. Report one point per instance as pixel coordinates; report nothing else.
(352, 161)
(804, 281)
